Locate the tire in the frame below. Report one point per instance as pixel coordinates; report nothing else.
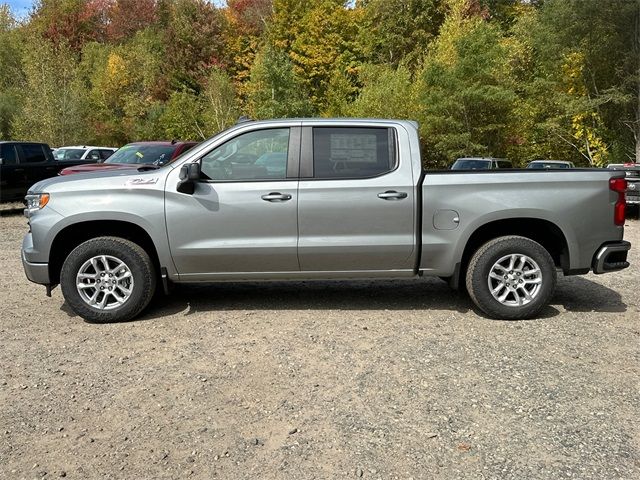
(535, 277)
(103, 297)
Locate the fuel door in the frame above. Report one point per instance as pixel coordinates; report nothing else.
(446, 219)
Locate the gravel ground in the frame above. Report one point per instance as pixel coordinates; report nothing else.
(398, 379)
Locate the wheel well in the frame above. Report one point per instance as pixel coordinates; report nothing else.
(544, 232)
(73, 235)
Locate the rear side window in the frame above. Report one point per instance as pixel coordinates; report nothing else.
(8, 155)
(353, 152)
(503, 164)
(33, 153)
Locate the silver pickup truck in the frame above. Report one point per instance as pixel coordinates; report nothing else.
(320, 199)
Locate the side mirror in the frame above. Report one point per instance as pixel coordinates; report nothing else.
(189, 175)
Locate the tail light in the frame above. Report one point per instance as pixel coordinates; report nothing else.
(619, 185)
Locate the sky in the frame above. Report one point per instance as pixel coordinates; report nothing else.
(21, 7)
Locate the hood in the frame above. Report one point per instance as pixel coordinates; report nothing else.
(100, 167)
(100, 179)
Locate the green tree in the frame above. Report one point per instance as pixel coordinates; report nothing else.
(395, 31)
(327, 41)
(465, 94)
(181, 118)
(219, 106)
(126, 84)
(274, 90)
(386, 93)
(11, 75)
(54, 100)
(592, 49)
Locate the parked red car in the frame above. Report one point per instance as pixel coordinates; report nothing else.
(133, 155)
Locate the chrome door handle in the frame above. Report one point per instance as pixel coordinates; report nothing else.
(276, 197)
(392, 195)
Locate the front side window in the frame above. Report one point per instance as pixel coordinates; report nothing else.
(33, 153)
(352, 152)
(257, 155)
(94, 155)
(8, 154)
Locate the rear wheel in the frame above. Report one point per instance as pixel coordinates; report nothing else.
(511, 278)
(108, 279)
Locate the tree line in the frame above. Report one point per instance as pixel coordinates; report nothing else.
(517, 79)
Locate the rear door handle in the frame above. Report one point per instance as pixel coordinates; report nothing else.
(392, 195)
(276, 197)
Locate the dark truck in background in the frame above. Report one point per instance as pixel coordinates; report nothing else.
(24, 163)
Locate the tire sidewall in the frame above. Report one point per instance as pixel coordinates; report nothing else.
(487, 256)
(135, 258)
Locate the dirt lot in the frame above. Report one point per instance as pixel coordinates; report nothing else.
(383, 380)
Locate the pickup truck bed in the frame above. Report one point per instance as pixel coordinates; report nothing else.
(321, 199)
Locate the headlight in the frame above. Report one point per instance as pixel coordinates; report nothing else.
(36, 201)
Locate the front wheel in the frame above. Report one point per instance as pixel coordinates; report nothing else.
(108, 279)
(511, 278)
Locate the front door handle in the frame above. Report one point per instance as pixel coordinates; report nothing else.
(392, 195)
(276, 197)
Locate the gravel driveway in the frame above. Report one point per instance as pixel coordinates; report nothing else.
(398, 379)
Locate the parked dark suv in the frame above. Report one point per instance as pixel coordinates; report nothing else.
(21, 165)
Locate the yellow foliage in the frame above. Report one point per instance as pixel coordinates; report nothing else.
(583, 130)
(117, 78)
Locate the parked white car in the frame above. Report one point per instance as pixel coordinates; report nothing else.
(83, 152)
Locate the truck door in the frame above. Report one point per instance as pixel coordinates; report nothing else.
(242, 216)
(37, 162)
(356, 200)
(13, 179)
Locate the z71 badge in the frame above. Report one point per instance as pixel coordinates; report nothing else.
(134, 182)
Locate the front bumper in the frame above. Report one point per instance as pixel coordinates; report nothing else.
(611, 257)
(35, 272)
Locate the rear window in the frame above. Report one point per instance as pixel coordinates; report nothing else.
(33, 153)
(352, 152)
(8, 155)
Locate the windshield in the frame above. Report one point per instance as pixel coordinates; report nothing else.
(143, 154)
(68, 153)
(541, 165)
(471, 164)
